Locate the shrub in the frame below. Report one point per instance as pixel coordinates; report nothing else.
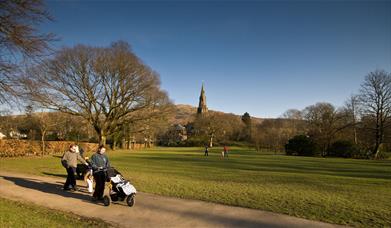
(195, 141)
(300, 145)
(345, 149)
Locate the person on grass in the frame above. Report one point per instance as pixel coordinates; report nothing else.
(225, 150)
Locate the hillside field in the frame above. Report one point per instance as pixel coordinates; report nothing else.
(335, 190)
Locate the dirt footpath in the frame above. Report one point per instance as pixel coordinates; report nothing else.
(149, 210)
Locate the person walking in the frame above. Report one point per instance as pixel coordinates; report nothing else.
(99, 162)
(206, 151)
(69, 161)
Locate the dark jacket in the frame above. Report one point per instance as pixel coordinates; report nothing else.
(99, 161)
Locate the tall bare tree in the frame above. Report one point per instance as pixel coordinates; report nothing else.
(375, 96)
(351, 110)
(217, 127)
(46, 122)
(324, 121)
(295, 123)
(20, 40)
(107, 86)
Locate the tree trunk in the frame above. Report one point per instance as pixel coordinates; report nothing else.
(211, 141)
(102, 139)
(376, 151)
(378, 145)
(123, 143)
(43, 143)
(130, 140)
(114, 146)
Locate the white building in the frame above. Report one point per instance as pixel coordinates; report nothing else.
(2, 136)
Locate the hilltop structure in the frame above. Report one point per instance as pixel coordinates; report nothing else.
(202, 108)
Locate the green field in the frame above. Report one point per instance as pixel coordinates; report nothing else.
(342, 191)
(17, 214)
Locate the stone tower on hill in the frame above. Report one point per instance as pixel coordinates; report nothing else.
(202, 109)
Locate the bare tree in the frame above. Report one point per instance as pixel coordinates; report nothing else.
(46, 123)
(19, 40)
(293, 114)
(218, 127)
(109, 86)
(295, 122)
(352, 112)
(147, 123)
(324, 121)
(375, 96)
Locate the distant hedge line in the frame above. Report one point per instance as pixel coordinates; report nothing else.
(17, 148)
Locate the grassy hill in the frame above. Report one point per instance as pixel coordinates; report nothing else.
(184, 114)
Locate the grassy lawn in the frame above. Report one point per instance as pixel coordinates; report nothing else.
(343, 191)
(16, 214)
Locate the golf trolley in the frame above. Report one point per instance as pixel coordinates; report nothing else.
(118, 189)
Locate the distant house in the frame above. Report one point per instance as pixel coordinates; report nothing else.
(17, 135)
(180, 132)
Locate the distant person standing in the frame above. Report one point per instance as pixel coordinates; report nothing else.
(69, 161)
(225, 150)
(206, 150)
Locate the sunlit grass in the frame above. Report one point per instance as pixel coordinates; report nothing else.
(17, 214)
(343, 191)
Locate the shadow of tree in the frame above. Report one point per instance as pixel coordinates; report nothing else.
(341, 169)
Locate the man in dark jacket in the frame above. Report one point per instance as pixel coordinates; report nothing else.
(100, 163)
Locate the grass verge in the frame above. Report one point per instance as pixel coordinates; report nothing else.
(17, 214)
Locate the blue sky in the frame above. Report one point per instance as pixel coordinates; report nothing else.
(260, 57)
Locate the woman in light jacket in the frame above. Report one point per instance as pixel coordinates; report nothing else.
(69, 161)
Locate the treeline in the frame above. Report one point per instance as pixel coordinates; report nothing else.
(108, 94)
(360, 128)
(58, 126)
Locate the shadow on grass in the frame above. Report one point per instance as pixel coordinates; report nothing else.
(46, 187)
(322, 167)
